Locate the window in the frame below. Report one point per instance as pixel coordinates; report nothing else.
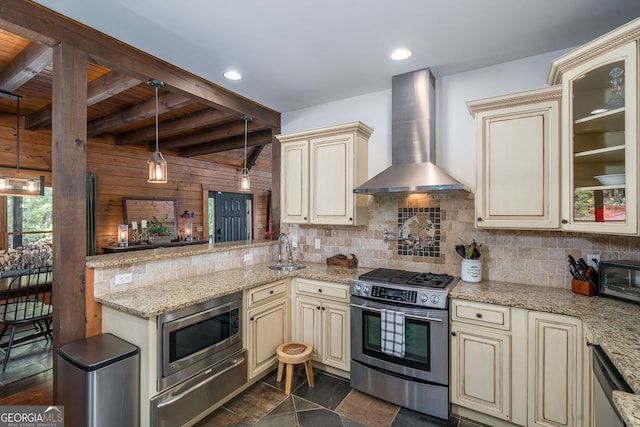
(28, 232)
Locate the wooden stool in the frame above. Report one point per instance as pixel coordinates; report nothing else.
(292, 353)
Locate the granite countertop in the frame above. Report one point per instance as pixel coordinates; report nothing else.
(150, 301)
(615, 325)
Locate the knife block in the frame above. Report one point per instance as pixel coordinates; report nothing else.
(589, 288)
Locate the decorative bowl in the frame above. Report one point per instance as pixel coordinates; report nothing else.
(611, 179)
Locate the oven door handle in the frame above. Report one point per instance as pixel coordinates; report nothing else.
(410, 316)
(184, 393)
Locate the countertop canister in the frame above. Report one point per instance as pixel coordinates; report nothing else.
(471, 270)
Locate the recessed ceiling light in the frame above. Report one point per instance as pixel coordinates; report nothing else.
(233, 75)
(400, 54)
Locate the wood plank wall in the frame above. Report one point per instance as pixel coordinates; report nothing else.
(122, 172)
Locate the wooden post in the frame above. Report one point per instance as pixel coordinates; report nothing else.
(69, 166)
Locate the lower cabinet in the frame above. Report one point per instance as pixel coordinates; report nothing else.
(555, 370)
(268, 325)
(481, 358)
(587, 377)
(322, 320)
(481, 370)
(518, 367)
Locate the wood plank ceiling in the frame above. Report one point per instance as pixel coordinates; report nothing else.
(124, 107)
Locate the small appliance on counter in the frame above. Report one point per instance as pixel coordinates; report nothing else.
(620, 279)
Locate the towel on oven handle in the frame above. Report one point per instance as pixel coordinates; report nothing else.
(392, 332)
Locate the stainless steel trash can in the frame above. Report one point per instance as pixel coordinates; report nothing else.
(98, 382)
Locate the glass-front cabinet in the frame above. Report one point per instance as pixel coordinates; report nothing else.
(599, 168)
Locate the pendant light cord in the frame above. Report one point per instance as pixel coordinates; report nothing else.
(246, 128)
(157, 135)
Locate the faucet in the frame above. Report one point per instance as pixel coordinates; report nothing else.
(287, 248)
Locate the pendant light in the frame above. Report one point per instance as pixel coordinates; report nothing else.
(15, 186)
(157, 164)
(245, 179)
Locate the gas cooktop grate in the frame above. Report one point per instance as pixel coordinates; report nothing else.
(388, 275)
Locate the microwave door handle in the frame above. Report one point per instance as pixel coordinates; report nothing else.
(197, 386)
(410, 316)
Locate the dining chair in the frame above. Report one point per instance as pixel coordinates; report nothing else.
(27, 299)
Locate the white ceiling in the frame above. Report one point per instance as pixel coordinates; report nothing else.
(298, 53)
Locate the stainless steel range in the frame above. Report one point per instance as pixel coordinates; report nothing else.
(400, 338)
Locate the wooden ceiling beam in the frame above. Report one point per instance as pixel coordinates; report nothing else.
(232, 143)
(199, 119)
(135, 113)
(104, 87)
(118, 56)
(108, 85)
(253, 157)
(26, 65)
(208, 135)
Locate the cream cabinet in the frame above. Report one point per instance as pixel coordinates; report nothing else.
(518, 160)
(587, 376)
(511, 366)
(600, 133)
(319, 170)
(267, 321)
(481, 358)
(555, 370)
(322, 319)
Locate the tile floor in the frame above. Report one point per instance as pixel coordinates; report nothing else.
(330, 403)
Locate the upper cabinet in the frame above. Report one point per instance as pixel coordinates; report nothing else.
(320, 168)
(599, 169)
(518, 159)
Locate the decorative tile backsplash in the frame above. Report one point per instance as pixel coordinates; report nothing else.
(531, 257)
(420, 231)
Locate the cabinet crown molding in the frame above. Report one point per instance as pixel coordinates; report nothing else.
(326, 131)
(626, 33)
(512, 99)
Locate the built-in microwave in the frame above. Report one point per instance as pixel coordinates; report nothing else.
(620, 279)
(196, 337)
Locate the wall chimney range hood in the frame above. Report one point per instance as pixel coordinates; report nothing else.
(413, 140)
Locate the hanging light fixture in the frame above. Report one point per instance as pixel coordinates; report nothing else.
(157, 164)
(15, 186)
(245, 180)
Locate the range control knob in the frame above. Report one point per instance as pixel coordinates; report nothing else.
(435, 299)
(358, 288)
(424, 297)
(366, 289)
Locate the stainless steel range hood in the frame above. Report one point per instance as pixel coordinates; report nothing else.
(413, 140)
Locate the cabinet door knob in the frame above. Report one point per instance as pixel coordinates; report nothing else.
(479, 315)
(305, 218)
(350, 219)
(322, 308)
(589, 343)
(453, 334)
(564, 221)
(318, 307)
(479, 219)
(251, 318)
(320, 290)
(271, 291)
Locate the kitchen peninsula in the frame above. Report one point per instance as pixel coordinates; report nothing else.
(173, 279)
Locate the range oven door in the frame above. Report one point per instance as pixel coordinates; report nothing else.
(426, 340)
(197, 337)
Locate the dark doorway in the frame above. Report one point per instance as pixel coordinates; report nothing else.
(231, 219)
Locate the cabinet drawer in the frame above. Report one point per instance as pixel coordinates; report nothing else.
(324, 289)
(267, 291)
(490, 315)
